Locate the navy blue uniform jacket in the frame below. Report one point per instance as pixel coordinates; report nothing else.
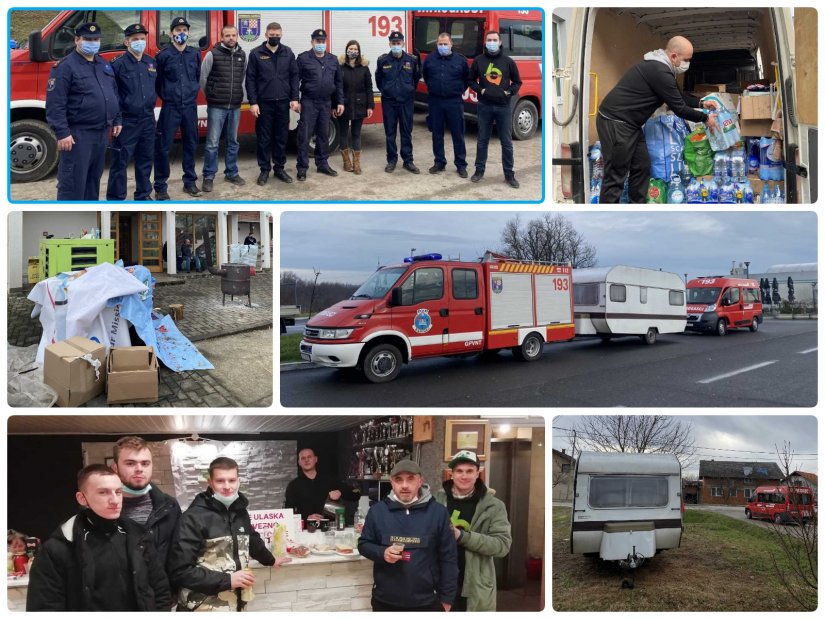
(321, 78)
(397, 78)
(81, 95)
(179, 75)
(136, 85)
(446, 76)
(271, 77)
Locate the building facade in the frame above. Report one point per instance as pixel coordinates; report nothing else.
(733, 483)
(563, 470)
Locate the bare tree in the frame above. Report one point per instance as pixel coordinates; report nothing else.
(551, 238)
(795, 563)
(638, 434)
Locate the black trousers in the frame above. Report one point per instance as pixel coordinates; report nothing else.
(624, 150)
(379, 606)
(272, 131)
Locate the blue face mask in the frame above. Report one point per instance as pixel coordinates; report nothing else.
(89, 48)
(396, 49)
(444, 50)
(137, 46)
(181, 38)
(320, 48)
(492, 46)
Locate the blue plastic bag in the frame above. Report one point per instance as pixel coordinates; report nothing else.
(665, 137)
(728, 133)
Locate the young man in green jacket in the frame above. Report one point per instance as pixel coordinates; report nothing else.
(481, 529)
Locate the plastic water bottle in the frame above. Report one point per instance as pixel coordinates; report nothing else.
(766, 196)
(595, 190)
(727, 192)
(712, 194)
(675, 191)
(778, 197)
(738, 167)
(747, 192)
(596, 162)
(753, 156)
(720, 165)
(693, 193)
(61, 308)
(685, 175)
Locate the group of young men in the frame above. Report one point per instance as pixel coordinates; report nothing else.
(131, 549)
(88, 97)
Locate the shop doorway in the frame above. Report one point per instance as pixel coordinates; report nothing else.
(138, 238)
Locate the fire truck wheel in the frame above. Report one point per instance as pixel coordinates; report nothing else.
(525, 120)
(33, 152)
(531, 348)
(748, 514)
(382, 363)
(721, 327)
(754, 324)
(777, 518)
(333, 138)
(649, 338)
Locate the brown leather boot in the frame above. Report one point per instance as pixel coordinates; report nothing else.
(347, 163)
(356, 161)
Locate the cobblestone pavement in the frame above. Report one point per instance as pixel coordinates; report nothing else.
(204, 319)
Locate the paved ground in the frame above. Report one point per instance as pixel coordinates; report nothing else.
(373, 184)
(236, 339)
(777, 367)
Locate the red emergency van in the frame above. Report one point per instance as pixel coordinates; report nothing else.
(781, 504)
(719, 303)
(429, 307)
(33, 149)
(521, 33)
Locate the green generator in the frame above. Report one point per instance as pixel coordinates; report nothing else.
(65, 255)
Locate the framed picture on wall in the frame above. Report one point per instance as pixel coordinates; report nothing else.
(469, 434)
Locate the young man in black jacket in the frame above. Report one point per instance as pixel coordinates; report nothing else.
(623, 112)
(495, 79)
(213, 544)
(96, 560)
(148, 506)
(408, 538)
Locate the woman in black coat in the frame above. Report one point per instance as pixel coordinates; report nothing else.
(359, 103)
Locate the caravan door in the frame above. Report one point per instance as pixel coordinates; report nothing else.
(570, 94)
(796, 38)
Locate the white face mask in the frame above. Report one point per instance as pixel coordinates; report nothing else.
(683, 67)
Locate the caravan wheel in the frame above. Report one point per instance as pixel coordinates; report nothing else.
(649, 338)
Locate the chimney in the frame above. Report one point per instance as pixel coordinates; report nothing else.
(564, 451)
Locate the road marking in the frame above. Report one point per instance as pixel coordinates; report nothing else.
(734, 373)
(805, 352)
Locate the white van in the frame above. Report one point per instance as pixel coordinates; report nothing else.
(622, 300)
(626, 506)
(593, 47)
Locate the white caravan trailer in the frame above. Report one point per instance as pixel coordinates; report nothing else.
(626, 507)
(620, 300)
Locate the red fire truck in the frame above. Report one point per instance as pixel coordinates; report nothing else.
(720, 303)
(429, 307)
(521, 36)
(781, 504)
(33, 147)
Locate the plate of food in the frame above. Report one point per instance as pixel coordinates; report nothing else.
(299, 551)
(322, 549)
(345, 550)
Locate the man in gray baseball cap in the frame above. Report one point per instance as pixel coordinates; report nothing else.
(407, 536)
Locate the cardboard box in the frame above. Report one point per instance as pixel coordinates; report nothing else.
(132, 375)
(74, 378)
(756, 107)
(755, 128)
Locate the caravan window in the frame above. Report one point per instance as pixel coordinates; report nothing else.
(676, 297)
(618, 293)
(611, 492)
(585, 294)
(643, 294)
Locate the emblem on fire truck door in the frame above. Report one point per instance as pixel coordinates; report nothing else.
(422, 321)
(498, 284)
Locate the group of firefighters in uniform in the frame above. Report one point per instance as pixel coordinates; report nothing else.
(87, 97)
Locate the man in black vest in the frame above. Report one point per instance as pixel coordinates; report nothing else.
(222, 81)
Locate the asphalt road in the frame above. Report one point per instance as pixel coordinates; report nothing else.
(683, 370)
(373, 184)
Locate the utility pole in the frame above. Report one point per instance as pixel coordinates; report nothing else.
(312, 296)
(747, 269)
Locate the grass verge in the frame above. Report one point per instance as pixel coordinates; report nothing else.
(290, 351)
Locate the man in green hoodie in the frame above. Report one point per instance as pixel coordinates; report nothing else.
(481, 529)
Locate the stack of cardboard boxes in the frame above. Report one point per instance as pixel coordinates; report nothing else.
(80, 369)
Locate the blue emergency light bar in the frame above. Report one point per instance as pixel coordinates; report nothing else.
(422, 257)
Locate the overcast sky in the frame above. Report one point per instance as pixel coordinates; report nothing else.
(347, 246)
(739, 434)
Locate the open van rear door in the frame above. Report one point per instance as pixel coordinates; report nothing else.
(796, 39)
(568, 95)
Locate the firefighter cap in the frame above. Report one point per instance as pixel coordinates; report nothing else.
(179, 21)
(89, 30)
(135, 29)
(319, 35)
(396, 35)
